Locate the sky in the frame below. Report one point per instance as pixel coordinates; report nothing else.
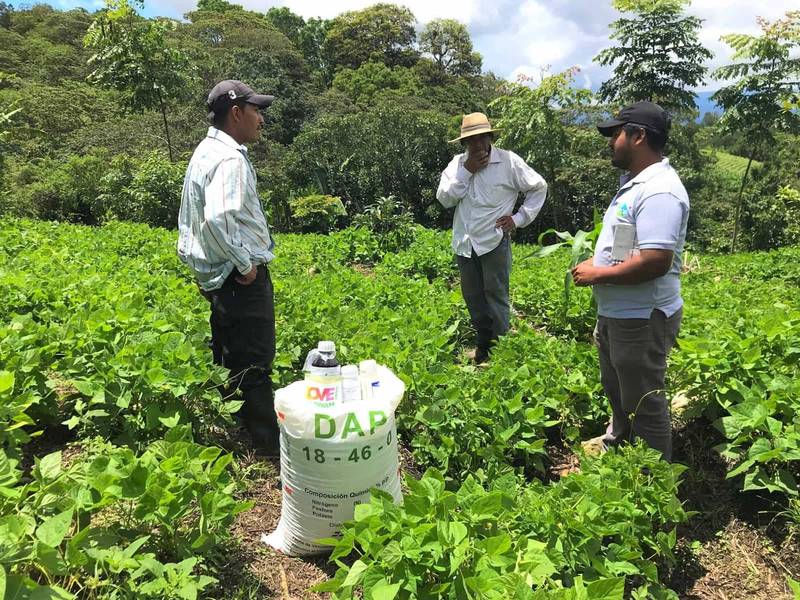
(523, 36)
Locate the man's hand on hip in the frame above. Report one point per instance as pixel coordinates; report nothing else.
(249, 278)
(475, 163)
(506, 223)
(203, 293)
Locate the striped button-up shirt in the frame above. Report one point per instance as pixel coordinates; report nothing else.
(221, 225)
(481, 198)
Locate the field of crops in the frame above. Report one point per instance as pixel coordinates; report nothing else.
(121, 475)
(731, 166)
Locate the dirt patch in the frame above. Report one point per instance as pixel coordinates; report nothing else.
(254, 570)
(734, 548)
(561, 461)
(365, 270)
(742, 563)
(408, 465)
(52, 439)
(62, 386)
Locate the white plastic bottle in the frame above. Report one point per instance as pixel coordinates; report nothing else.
(351, 385)
(369, 378)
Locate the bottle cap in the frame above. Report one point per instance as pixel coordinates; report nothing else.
(350, 371)
(326, 346)
(368, 366)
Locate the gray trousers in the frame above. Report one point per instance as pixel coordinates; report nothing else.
(484, 285)
(633, 362)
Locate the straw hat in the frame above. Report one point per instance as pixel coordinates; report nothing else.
(474, 124)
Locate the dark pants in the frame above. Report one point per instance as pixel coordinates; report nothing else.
(484, 285)
(243, 341)
(633, 363)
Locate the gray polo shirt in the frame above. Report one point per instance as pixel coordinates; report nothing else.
(657, 205)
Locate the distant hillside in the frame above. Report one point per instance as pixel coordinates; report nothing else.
(731, 165)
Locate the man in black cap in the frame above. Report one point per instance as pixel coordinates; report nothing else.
(634, 275)
(225, 240)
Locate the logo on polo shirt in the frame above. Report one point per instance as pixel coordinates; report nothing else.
(622, 209)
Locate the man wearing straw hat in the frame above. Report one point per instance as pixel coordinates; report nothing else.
(483, 185)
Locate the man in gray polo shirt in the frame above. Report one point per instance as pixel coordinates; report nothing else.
(634, 275)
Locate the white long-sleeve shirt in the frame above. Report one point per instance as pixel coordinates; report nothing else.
(221, 224)
(483, 197)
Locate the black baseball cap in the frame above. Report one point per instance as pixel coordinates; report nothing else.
(645, 114)
(225, 93)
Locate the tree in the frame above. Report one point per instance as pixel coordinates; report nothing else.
(386, 150)
(370, 79)
(764, 81)
(307, 36)
(45, 44)
(248, 46)
(658, 58)
(448, 43)
(287, 22)
(312, 40)
(6, 11)
(380, 33)
(132, 56)
(6, 116)
(218, 6)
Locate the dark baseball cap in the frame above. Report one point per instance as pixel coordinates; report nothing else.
(225, 93)
(645, 114)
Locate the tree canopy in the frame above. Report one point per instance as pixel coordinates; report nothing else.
(658, 56)
(380, 33)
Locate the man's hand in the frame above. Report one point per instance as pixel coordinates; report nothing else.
(475, 163)
(249, 278)
(585, 273)
(203, 293)
(506, 223)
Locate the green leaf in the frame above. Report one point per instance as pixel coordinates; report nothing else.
(795, 587)
(50, 592)
(451, 533)
(6, 383)
(606, 589)
(53, 530)
(548, 250)
(170, 422)
(2, 582)
(385, 591)
(50, 465)
(355, 574)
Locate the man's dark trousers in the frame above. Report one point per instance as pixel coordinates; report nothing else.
(243, 341)
(633, 364)
(484, 285)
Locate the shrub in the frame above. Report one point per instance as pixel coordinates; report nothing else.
(65, 190)
(774, 221)
(142, 190)
(316, 212)
(391, 221)
(386, 150)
